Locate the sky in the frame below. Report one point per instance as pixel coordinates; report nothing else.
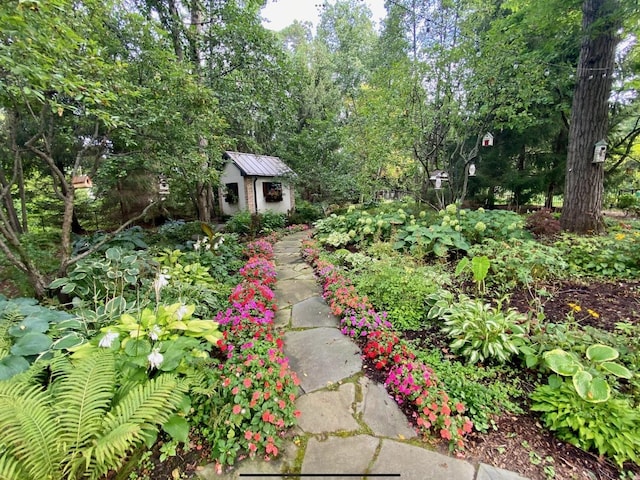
(281, 13)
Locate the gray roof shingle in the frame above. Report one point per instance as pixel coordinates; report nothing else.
(259, 165)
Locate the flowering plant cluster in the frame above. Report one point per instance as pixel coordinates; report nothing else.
(261, 248)
(412, 383)
(259, 268)
(256, 389)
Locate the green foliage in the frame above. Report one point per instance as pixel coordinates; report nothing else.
(423, 236)
(399, 289)
(614, 255)
(485, 392)
(175, 232)
(305, 213)
(479, 267)
(167, 339)
(119, 272)
(589, 381)
(128, 239)
(483, 332)
(627, 202)
(30, 332)
(80, 425)
(515, 262)
(250, 225)
(610, 428)
(271, 221)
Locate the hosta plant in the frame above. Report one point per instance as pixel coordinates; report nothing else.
(167, 338)
(484, 332)
(610, 428)
(590, 380)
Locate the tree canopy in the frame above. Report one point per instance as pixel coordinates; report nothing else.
(130, 91)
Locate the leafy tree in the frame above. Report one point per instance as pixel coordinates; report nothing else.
(85, 90)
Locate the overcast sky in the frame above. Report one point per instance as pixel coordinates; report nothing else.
(281, 13)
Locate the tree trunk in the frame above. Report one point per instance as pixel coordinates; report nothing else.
(582, 210)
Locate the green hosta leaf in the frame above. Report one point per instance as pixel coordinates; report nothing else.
(12, 365)
(555, 381)
(591, 389)
(113, 253)
(70, 340)
(32, 343)
(178, 428)
(562, 362)
(601, 353)
(617, 369)
(27, 325)
(135, 347)
(68, 288)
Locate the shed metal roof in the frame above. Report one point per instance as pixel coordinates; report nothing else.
(259, 165)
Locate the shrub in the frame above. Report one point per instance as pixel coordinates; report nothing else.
(241, 223)
(271, 221)
(519, 262)
(610, 428)
(305, 213)
(400, 290)
(627, 202)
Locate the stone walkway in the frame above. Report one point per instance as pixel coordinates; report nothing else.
(349, 427)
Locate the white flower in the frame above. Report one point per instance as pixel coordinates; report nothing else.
(162, 280)
(155, 332)
(107, 340)
(155, 358)
(181, 312)
(196, 246)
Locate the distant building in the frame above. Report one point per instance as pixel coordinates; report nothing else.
(256, 183)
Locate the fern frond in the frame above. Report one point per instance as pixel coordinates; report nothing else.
(150, 403)
(10, 469)
(82, 397)
(110, 450)
(29, 428)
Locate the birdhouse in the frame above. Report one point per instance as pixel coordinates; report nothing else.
(487, 140)
(81, 181)
(472, 170)
(163, 186)
(599, 152)
(437, 177)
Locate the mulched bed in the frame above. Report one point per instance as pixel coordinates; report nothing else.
(520, 443)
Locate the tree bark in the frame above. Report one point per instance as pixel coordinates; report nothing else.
(582, 210)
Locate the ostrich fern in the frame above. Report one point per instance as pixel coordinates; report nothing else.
(77, 428)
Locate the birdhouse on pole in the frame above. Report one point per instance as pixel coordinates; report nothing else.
(487, 140)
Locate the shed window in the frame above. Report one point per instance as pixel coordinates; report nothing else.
(232, 193)
(272, 191)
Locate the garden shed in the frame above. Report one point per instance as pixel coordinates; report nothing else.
(256, 183)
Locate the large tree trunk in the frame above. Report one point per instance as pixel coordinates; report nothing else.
(582, 210)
